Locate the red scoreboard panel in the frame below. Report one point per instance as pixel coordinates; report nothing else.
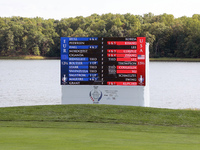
(103, 61)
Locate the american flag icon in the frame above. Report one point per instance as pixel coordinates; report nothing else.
(141, 56)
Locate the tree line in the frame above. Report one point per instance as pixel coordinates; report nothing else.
(168, 36)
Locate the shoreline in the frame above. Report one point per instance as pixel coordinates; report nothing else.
(163, 59)
(28, 57)
(166, 59)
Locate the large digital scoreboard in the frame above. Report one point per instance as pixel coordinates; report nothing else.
(103, 61)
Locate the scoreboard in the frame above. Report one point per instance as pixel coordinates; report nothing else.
(103, 61)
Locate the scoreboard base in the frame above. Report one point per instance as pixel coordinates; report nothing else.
(101, 94)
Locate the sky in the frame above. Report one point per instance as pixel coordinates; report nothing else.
(58, 9)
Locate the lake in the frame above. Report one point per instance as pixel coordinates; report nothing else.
(173, 85)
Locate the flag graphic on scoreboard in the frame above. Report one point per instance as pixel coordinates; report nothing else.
(141, 57)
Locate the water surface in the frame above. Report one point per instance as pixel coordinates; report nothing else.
(37, 82)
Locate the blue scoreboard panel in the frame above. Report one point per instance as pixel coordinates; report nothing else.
(103, 61)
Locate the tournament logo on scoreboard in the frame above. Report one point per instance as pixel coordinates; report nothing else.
(64, 79)
(141, 80)
(95, 95)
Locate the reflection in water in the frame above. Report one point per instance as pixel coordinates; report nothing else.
(29, 82)
(37, 82)
(175, 85)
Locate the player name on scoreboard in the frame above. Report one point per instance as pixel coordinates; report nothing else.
(103, 61)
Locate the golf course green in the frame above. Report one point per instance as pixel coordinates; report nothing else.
(106, 127)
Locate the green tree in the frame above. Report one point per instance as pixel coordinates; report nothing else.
(161, 33)
(115, 32)
(7, 42)
(147, 18)
(36, 50)
(192, 45)
(79, 33)
(18, 32)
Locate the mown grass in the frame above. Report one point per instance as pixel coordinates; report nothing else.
(106, 127)
(103, 114)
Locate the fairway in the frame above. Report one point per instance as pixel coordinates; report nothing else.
(86, 136)
(99, 127)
